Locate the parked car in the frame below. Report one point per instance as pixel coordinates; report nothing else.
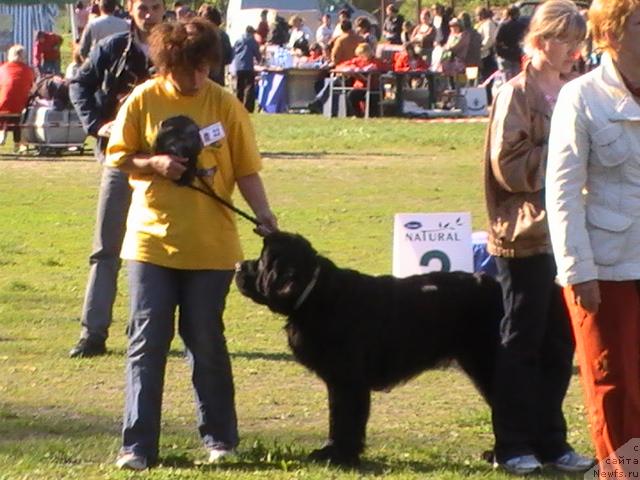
(527, 7)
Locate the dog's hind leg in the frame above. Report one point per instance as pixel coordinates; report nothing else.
(349, 407)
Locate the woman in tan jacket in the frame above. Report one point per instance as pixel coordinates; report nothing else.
(534, 362)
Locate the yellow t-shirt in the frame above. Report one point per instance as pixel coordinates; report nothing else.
(171, 225)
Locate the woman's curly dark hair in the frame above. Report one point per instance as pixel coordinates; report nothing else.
(184, 46)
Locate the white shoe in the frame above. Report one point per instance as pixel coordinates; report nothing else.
(131, 461)
(573, 462)
(218, 454)
(520, 465)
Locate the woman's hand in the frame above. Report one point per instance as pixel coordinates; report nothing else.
(169, 166)
(587, 295)
(268, 223)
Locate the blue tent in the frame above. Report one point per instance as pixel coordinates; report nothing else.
(20, 20)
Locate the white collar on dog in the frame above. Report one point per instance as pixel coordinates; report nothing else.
(307, 290)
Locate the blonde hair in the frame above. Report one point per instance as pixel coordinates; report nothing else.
(364, 49)
(608, 18)
(557, 19)
(15, 54)
(294, 19)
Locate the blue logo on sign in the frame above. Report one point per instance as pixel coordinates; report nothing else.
(413, 225)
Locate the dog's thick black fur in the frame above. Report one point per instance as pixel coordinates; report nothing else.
(360, 333)
(180, 136)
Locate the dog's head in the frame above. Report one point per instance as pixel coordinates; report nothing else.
(279, 278)
(180, 136)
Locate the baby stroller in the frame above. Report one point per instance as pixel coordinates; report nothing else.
(49, 124)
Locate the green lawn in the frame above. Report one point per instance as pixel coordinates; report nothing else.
(338, 182)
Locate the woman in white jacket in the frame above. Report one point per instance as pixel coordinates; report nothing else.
(593, 205)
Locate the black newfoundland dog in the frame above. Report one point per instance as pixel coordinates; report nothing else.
(360, 333)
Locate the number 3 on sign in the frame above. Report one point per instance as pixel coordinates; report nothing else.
(439, 255)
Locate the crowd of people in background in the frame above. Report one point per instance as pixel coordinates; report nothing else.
(439, 41)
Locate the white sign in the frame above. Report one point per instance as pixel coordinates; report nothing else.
(428, 242)
(212, 134)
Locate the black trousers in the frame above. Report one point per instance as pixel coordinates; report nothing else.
(356, 97)
(246, 88)
(488, 66)
(534, 361)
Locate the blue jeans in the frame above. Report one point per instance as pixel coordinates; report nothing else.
(111, 220)
(200, 297)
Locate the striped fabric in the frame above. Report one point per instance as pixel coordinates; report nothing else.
(28, 19)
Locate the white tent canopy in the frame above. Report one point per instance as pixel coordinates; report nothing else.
(19, 22)
(241, 13)
(280, 4)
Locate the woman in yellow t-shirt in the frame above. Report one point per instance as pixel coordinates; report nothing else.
(182, 246)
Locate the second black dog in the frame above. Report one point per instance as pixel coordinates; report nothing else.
(360, 333)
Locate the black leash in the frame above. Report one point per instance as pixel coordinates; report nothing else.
(208, 191)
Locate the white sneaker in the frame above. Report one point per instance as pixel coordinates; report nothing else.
(573, 462)
(131, 461)
(520, 465)
(218, 454)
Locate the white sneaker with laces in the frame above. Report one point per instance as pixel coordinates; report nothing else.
(573, 462)
(218, 454)
(520, 465)
(131, 461)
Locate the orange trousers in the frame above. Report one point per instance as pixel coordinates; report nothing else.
(608, 351)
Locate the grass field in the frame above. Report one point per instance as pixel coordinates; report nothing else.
(338, 182)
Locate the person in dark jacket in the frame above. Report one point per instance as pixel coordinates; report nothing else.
(245, 52)
(392, 27)
(280, 32)
(212, 14)
(508, 39)
(114, 67)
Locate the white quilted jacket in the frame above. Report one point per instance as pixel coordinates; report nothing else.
(593, 179)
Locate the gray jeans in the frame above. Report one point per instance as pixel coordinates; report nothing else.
(200, 297)
(111, 220)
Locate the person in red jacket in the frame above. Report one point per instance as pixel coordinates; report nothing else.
(46, 52)
(364, 62)
(408, 60)
(16, 80)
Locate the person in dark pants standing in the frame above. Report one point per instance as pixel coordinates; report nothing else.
(392, 27)
(534, 360)
(508, 38)
(246, 53)
(212, 14)
(113, 68)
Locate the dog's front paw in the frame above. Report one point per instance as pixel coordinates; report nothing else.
(333, 455)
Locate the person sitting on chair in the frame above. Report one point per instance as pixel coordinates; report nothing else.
(16, 80)
(364, 62)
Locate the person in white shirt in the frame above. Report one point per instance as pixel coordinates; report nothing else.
(324, 32)
(343, 15)
(487, 29)
(299, 31)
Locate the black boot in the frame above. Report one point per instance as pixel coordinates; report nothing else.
(88, 347)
